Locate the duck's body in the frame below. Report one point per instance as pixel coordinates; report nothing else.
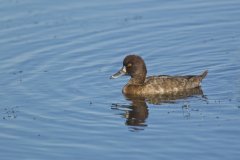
(164, 84)
(139, 84)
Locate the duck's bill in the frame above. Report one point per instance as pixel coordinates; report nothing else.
(120, 73)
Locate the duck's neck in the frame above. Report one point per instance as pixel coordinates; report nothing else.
(137, 80)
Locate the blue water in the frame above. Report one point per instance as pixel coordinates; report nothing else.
(57, 101)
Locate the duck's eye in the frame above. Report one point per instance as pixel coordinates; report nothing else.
(129, 65)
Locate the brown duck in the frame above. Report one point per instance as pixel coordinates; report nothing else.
(139, 84)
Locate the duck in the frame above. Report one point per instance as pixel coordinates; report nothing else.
(141, 85)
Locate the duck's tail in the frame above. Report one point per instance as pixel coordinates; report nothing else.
(203, 75)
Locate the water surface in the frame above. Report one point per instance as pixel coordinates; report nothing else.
(57, 101)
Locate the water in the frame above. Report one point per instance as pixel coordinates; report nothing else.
(57, 101)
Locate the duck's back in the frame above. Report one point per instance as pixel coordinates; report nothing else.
(166, 84)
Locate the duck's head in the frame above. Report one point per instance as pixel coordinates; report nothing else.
(134, 66)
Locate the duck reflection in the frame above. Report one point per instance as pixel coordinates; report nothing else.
(137, 113)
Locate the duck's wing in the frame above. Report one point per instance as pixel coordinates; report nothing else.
(176, 83)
